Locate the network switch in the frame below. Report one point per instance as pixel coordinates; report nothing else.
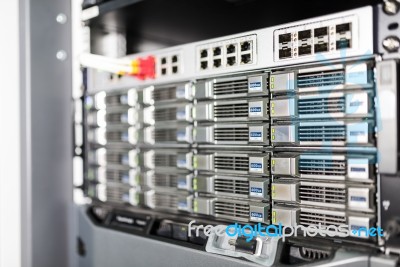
(314, 38)
(227, 53)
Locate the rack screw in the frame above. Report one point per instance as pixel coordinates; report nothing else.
(61, 55)
(391, 43)
(61, 18)
(391, 7)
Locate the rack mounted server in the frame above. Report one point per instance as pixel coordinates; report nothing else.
(284, 125)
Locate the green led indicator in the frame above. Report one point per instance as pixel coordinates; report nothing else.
(195, 162)
(195, 206)
(195, 184)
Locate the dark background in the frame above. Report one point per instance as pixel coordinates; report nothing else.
(154, 24)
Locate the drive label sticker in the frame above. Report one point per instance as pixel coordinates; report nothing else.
(358, 198)
(255, 111)
(255, 136)
(358, 168)
(256, 216)
(256, 191)
(255, 86)
(256, 167)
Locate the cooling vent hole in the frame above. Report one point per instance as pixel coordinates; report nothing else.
(393, 26)
(314, 254)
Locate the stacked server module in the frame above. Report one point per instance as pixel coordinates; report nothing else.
(274, 126)
(323, 134)
(139, 146)
(165, 158)
(111, 140)
(231, 133)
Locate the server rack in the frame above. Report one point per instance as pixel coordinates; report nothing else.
(158, 150)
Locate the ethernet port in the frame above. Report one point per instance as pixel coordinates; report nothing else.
(304, 34)
(204, 65)
(245, 58)
(230, 49)
(217, 51)
(245, 46)
(343, 43)
(318, 48)
(163, 71)
(318, 32)
(163, 60)
(230, 61)
(203, 53)
(217, 63)
(341, 28)
(285, 53)
(174, 59)
(305, 50)
(175, 69)
(285, 38)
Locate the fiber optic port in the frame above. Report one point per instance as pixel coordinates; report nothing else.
(285, 53)
(217, 51)
(304, 50)
(217, 63)
(230, 49)
(204, 65)
(175, 69)
(318, 32)
(174, 59)
(163, 60)
(245, 58)
(230, 61)
(304, 34)
(245, 46)
(318, 48)
(285, 38)
(203, 53)
(343, 43)
(343, 28)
